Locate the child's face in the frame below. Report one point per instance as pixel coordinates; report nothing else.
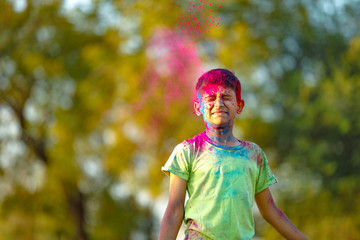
(218, 105)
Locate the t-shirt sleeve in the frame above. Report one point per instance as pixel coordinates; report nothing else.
(178, 162)
(265, 176)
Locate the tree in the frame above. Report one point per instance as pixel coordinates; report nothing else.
(58, 84)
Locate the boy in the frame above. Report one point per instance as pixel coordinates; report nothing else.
(223, 175)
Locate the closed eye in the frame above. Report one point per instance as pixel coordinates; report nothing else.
(210, 98)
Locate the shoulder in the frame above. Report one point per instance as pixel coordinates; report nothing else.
(253, 147)
(187, 145)
(256, 152)
(192, 143)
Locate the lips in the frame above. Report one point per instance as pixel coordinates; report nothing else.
(219, 112)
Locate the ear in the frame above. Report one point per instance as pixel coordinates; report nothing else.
(197, 108)
(241, 105)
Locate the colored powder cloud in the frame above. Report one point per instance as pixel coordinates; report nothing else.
(173, 66)
(198, 20)
(173, 61)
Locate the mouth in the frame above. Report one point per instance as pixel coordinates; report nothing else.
(219, 112)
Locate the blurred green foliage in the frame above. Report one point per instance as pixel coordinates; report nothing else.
(84, 128)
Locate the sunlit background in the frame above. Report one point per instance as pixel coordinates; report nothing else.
(95, 94)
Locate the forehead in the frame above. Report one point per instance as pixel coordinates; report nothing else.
(211, 89)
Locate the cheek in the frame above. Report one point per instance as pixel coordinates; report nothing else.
(207, 106)
(234, 103)
(202, 107)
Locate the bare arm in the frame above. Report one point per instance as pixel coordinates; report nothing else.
(174, 213)
(273, 215)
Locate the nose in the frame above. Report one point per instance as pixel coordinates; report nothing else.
(219, 102)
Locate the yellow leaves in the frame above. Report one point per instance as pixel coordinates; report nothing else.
(63, 163)
(304, 93)
(92, 53)
(336, 99)
(354, 49)
(35, 215)
(323, 216)
(346, 185)
(53, 67)
(62, 153)
(236, 48)
(342, 84)
(32, 60)
(7, 12)
(154, 14)
(18, 225)
(332, 227)
(257, 129)
(118, 158)
(111, 39)
(329, 168)
(60, 133)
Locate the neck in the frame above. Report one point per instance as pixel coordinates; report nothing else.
(222, 136)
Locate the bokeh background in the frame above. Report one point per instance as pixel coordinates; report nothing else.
(95, 94)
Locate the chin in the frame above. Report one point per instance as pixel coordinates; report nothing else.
(219, 124)
(221, 121)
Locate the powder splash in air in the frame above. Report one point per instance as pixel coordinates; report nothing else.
(173, 62)
(198, 20)
(173, 68)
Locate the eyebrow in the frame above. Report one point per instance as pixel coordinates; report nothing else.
(222, 95)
